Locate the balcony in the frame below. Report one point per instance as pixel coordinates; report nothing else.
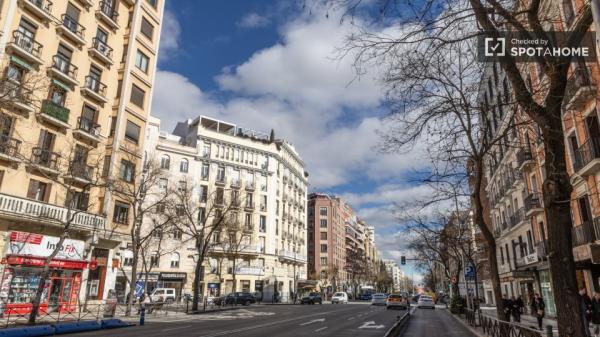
(20, 208)
(583, 234)
(587, 157)
(94, 89)
(221, 181)
(88, 130)
(250, 186)
(17, 96)
(25, 47)
(250, 270)
(533, 204)
(517, 218)
(249, 206)
(527, 260)
(524, 158)
(72, 30)
(497, 232)
(55, 114)
(9, 149)
(64, 70)
(42, 9)
(235, 183)
(45, 160)
(87, 3)
(80, 172)
(540, 249)
(292, 257)
(107, 14)
(226, 249)
(101, 51)
(580, 89)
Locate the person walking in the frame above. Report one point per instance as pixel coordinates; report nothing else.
(507, 304)
(586, 308)
(539, 308)
(596, 314)
(515, 310)
(520, 305)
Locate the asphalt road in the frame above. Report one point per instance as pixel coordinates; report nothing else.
(438, 322)
(271, 320)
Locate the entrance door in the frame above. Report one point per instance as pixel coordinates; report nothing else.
(56, 293)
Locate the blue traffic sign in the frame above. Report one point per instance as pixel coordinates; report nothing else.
(470, 271)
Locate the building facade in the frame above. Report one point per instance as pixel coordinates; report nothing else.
(269, 178)
(77, 104)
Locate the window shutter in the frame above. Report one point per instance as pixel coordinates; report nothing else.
(33, 184)
(47, 192)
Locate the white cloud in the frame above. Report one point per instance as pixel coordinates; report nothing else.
(169, 37)
(253, 20)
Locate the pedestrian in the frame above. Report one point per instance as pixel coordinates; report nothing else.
(515, 310)
(586, 308)
(520, 305)
(596, 314)
(507, 304)
(539, 308)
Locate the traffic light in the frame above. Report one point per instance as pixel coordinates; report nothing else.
(402, 260)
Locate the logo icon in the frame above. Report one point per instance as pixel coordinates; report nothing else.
(495, 46)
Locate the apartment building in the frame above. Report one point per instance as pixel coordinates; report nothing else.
(230, 163)
(80, 75)
(327, 241)
(395, 272)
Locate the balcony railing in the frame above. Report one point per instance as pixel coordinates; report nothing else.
(540, 248)
(250, 270)
(88, 126)
(250, 185)
(74, 26)
(107, 9)
(579, 81)
(45, 158)
(9, 146)
(44, 5)
(33, 209)
(102, 48)
(65, 66)
(517, 217)
(235, 183)
(586, 153)
(532, 201)
(95, 85)
(583, 234)
(523, 156)
(27, 43)
(81, 170)
(56, 111)
(292, 256)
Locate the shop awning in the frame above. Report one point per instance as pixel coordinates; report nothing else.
(37, 261)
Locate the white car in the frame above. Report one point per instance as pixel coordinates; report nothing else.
(379, 299)
(341, 298)
(425, 302)
(163, 295)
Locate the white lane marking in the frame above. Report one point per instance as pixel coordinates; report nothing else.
(313, 321)
(371, 325)
(321, 329)
(181, 327)
(351, 318)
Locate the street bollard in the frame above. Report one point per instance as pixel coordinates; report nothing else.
(142, 315)
(548, 330)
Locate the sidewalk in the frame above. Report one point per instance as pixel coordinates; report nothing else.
(526, 319)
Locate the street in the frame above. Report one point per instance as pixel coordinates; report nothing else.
(354, 319)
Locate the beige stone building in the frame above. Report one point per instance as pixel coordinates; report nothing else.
(267, 175)
(81, 75)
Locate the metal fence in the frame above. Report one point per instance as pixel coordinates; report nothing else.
(494, 327)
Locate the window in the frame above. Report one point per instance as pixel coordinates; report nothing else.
(219, 198)
(137, 96)
(323, 261)
(175, 260)
(184, 165)
(152, 3)
(127, 170)
(38, 190)
(323, 223)
(323, 235)
(147, 29)
(162, 184)
(182, 186)
(165, 162)
(128, 261)
(77, 200)
(154, 259)
(205, 171)
(323, 248)
(262, 225)
(121, 213)
(261, 244)
(249, 203)
(323, 211)
(221, 173)
(201, 215)
(248, 221)
(141, 61)
(57, 95)
(276, 227)
(206, 150)
(203, 193)
(15, 72)
(132, 132)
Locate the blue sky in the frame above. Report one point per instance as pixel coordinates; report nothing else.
(273, 64)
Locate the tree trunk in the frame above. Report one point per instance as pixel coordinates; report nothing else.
(233, 274)
(197, 276)
(557, 196)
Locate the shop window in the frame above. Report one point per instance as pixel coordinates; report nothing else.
(121, 213)
(175, 260)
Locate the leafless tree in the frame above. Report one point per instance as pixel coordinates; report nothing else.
(235, 241)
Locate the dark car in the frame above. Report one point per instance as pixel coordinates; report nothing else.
(365, 297)
(236, 298)
(311, 298)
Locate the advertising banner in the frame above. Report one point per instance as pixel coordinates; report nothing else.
(22, 243)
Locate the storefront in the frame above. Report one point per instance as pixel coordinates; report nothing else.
(22, 269)
(97, 277)
(172, 280)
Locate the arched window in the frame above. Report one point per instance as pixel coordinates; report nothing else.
(183, 166)
(175, 260)
(165, 162)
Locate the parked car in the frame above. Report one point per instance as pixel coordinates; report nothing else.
(365, 297)
(311, 298)
(167, 295)
(341, 298)
(378, 299)
(425, 302)
(239, 298)
(396, 301)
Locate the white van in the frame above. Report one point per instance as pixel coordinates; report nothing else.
(340, 297)
(164, 294)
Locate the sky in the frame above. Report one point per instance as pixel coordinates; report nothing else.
(277, 65)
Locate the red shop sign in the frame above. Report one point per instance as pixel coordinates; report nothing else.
(35, 261)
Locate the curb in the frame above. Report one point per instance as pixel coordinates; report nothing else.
(470, 328)
(200, 312)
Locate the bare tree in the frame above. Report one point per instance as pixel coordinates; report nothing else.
(235, 240)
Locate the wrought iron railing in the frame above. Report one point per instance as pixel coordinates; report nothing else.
(27, 43)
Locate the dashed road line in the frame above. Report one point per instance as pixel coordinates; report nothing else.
(321, 329)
